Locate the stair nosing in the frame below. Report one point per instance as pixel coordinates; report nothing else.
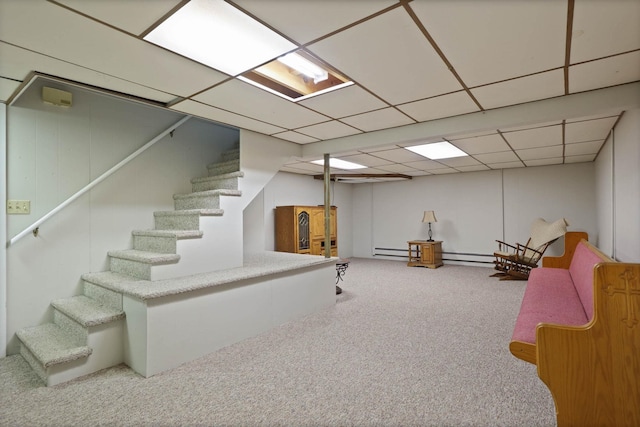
(78, 311)
(178, 234)
(65, 351)
(153, 258)
(208, 193)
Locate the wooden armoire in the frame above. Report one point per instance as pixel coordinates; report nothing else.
(300, 229)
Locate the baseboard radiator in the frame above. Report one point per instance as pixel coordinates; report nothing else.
(464, 257)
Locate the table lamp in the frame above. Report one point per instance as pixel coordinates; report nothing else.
(429, 216)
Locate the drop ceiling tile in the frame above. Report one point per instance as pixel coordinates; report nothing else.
(524, 89)
(441, 106)
(605, 72)
(489, 42)
(366, 160)
(215, 114)
(309, 20)
(482, 144)
(580, 159)
(544, 162)
(594, 117)
(443, 171)
(456, 137)
(425, 165)
(90, 44)
(131, 16)
(505, 165)
(457, 162)
(589, 130)
(395, 168)
(531, 126)
(408, 58)
(347, 101)
(233, 95)
(472, 168)
(532, 138)
(380, 148)
(582, 148)
(540, 153)
(399, 155)
(308, 167)
(17, 63)
(501, 157)
(328, 130)
(295, 137)
(603, 28)
(380, 119)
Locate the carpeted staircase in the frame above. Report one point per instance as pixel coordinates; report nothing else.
(87, 330)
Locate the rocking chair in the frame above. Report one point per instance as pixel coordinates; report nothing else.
(514, 262)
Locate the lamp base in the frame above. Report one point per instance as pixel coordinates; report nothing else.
(430, 234)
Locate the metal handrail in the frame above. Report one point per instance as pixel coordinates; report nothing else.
(34, 227)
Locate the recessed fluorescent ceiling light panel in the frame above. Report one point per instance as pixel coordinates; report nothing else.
(437, 150)
(217, 34)
(339, 164)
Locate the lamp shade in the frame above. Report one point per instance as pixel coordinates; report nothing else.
(429, 216)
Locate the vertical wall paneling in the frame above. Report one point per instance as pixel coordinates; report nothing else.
(3, 230)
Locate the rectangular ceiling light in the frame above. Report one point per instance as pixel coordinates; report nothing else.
(437, 150)
(339, 164)
(220, 36)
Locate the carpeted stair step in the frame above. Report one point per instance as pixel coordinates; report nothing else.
(230, 155)
(162, 241)
(188, 219)
(50, 345)
(86, 311)
(202, 199)
(228, 181)
(109, 280)
(137, 263)
(223, 167)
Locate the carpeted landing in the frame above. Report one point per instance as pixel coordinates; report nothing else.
(402, 347)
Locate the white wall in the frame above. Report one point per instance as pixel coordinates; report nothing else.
(473, 209)
(3, 230)
(618, 177)
(53, 152)
(291, 189)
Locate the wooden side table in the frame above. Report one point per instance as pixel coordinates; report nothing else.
(423, 253)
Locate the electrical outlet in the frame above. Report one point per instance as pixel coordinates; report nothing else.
(18, 206)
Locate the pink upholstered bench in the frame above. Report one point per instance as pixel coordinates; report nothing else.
(556, 295)
(579, 323)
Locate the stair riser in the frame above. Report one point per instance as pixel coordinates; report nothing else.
(177, 222)
(197, 202)
(164, 245)
(71, 327)
(135, 269)
(218, 184)
(33, 362)
(219, 169)
(103, 296)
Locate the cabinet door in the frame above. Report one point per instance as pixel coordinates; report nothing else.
(304, 231)
(427, 253)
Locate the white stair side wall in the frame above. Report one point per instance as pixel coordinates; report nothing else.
(219, 248)
(166, 332)
(261, 157)
(107, 343)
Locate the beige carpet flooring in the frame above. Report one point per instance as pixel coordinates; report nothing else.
(402, 347)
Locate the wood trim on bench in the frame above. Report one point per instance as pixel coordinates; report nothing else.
(523, 350)
(571, 240)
